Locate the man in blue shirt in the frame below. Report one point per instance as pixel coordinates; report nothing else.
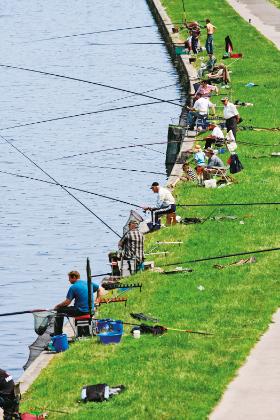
(78, 292)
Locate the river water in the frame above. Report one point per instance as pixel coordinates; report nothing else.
(44, 232)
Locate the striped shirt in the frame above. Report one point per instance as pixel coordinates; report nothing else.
(133, 245)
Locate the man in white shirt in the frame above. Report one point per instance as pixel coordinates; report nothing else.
(231, 116)
(200, 110)
(165, 203)
(216, 137)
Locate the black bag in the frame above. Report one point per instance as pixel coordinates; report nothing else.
(95, 392)
(235, 164)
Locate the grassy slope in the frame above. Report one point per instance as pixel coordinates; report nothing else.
(276, 2)
(180, 376)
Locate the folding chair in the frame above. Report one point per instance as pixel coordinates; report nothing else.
(221, 173)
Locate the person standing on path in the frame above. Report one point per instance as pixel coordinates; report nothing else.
(231, 116)
(209, 45)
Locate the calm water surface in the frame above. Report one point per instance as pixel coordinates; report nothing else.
(44, 232)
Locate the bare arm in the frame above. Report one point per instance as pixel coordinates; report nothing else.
(66, 302)
(100, 292)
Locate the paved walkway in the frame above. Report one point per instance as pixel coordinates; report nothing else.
(255, 393)
(264, 16)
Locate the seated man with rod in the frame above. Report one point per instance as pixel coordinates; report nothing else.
(165, 204)
(78, 292)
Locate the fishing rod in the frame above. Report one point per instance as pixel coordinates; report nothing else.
(133, 204)
(118, 148)
(230, 204)
(103, 31)
(122, 169)
(76, 79)
(159, 329)
(71, 188)
(257, 144)
(23, 312)
(224, 256)
(127, 43)
(82, 114)
(131, 96)
(184, 12)
(252, 128)
(53, 179)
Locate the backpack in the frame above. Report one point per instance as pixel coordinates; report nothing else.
(95, 393)
(234, 164)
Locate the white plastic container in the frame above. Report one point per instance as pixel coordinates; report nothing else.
(136, 334)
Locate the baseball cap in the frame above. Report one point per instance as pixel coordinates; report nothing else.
(155, 184)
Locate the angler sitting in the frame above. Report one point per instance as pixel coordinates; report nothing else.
(214, 166)
(8, 400)
(208, 67)
(132, 247)
(199, 111)
(219, 74)
(205, 90)
(78, 292)
(216, 137)
(165, 204)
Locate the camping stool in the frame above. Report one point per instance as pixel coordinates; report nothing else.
(83, 324)
(171, 218)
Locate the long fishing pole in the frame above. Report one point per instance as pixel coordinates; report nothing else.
(103, 31)
(224, 256)
(118, 148)
(133, 204)
(231, 204)
(184, 11)
(68, 192)
(71, 188)
(23, 312)
(131, 96)
(126, 43)
(82, 114)
(171, 329)
(122, 169)
(76, 79)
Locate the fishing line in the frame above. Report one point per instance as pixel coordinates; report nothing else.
(229, 204)
(71, 188)
(79, 115)
(153, 150)
(127, 43)
(122, 169)
(57, 183)
(76, 79)
(131, 96)
(103, 31)
(118, 148)
(129, 203)
(257, 144)
(223, 256)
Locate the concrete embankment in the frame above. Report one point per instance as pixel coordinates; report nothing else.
(189, 76)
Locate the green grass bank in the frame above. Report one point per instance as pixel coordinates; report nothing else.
(179, 375)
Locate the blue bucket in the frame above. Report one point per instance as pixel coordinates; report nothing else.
(109, 331)
(60, 342)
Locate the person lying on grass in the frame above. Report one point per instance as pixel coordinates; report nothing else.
(78, 292)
